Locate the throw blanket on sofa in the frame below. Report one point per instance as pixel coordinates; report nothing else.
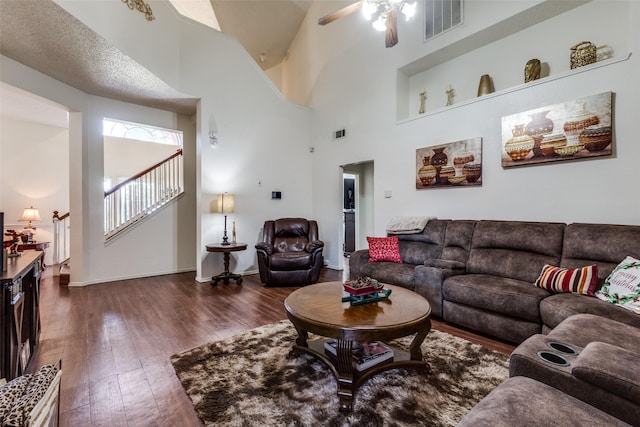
(408, 224)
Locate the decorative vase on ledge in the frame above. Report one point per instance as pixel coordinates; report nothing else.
(486, 85)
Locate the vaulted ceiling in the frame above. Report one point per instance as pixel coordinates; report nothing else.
(82, 59)
(265, 28)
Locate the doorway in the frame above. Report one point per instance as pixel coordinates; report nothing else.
(357, 205)
(349, 211)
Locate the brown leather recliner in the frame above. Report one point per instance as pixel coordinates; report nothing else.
(290, 252)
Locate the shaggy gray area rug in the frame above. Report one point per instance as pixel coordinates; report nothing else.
(252, 379)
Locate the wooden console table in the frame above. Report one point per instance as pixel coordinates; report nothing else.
(226, 250)
(19, 312)
(38, 246)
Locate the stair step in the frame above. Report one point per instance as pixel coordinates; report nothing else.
(65, 275)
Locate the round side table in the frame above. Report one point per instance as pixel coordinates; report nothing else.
(226, 250)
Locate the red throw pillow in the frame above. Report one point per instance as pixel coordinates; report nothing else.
(581, 280)
(384, 249)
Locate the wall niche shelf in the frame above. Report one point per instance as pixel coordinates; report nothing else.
(517, 88)
(478, 49)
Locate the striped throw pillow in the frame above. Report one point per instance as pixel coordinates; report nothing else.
(581, 280)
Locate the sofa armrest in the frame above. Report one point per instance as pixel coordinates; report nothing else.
(445, 264)
(265, 247)
(357, 262)
(610, 368)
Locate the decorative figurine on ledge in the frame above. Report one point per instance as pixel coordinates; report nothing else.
(532, 70)
(423, 98)
(449, 92)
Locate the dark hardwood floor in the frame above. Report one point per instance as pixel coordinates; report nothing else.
(115, 340)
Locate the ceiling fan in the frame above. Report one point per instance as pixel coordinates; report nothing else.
(385, 12)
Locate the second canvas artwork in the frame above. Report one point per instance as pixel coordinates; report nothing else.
(457, 163)
(582, 128)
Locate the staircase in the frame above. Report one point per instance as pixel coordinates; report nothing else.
(125, 205)
(139, 196)
(61, 246)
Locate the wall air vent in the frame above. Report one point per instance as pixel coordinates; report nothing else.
(441, 16)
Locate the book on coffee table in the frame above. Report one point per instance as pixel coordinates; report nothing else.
(371, 353)
(365, 354)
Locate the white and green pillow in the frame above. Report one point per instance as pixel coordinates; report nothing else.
(622, 286)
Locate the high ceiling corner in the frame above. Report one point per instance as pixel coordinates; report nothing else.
(266, 28)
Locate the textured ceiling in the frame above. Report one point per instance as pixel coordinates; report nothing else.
(82, 59)
(79, 57)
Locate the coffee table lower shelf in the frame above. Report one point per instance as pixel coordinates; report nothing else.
(349, 379)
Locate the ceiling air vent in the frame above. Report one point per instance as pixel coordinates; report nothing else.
(441, 16)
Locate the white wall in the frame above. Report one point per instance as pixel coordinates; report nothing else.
(351, 82)
(345, 74)
(152, 247)
(124, 157)
(156, 244)
(34, 171)
(264, 139)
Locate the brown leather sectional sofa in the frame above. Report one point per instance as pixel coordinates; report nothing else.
(480, 274)
(577, 362)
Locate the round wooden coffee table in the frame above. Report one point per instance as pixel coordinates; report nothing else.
(319, 309)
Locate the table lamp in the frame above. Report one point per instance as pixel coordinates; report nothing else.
(30, 214)
(225, 204)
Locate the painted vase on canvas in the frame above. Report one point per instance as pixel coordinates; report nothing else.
(427, 173)
(539, 126)
(519, 147)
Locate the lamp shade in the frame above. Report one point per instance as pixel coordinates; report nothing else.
(224, 204)
(30, 214)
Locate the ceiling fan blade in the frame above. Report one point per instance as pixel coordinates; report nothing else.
(327, 19)
(391, 33)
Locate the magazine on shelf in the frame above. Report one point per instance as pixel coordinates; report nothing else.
(365, 354)
(371, 353)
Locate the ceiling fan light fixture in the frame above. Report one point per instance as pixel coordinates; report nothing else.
(369, 8)
(380, 23)
(408, 9)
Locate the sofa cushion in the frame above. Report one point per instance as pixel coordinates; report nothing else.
(611, 368)
(581, 329)
(457, 242)
(510, 297)
(390, 272)
(416, 252)
(10, 393)
(36, 387)
(577, 280)
(415, 248)
(524, 402)
(603, 244)
(498, 325)
(445, 264)
(555, 308)
(384, 249)
(622, 286)
(514, 249)
(290, 261)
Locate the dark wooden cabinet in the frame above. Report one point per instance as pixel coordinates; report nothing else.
(19, 313)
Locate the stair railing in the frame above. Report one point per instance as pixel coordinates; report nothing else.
(61, 237)
(135, 198)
